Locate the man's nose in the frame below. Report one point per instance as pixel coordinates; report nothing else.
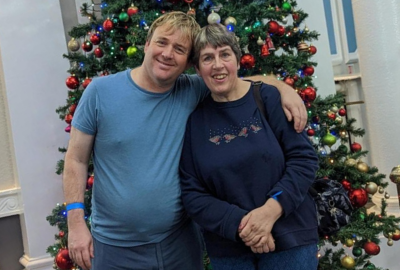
(167, 52)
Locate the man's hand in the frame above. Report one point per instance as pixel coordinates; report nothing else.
(80, 245)
(292, 104)
(255, 228)
(294, 108)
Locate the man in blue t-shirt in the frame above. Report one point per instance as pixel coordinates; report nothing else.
(134, 122)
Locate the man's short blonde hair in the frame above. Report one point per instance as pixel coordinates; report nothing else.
(177, 20)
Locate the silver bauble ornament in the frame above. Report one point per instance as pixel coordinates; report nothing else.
(371, 188)
(213, 18)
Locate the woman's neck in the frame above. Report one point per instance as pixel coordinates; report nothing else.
(239, 90)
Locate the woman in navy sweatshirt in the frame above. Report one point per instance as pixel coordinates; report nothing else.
(245, 178)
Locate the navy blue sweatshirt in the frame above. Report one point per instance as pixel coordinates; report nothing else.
(234, 159)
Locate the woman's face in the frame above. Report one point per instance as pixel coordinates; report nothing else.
(218, 67)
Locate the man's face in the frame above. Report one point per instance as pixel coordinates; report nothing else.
(166, 56)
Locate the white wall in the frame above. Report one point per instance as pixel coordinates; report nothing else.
(32, 43)
(378, 36)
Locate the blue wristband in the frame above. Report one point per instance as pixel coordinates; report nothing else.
(275, 196)
(75, 205)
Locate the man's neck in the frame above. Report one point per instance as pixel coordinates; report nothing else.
(142, 79)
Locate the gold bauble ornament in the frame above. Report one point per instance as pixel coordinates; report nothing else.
(230, 20)
(73, 45)
(371, 188)
(390, 242)
(362, 166)
(302, 47)
(381, 190)
(351, 162)
(343, 134)
(191, 12)
(339, 120)
(395, 175)
(349, 242)
(387, 195)
(347, 262)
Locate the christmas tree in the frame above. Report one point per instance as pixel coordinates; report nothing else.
(275, 40)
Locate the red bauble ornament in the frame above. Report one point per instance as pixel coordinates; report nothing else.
(309, 94)
(87, 46)
(342, 112)
(289, 81)
(98, 52)
(68, 118)
(62, 260)
(312, 49)
(355, 147)
(72, 82)
(281, 31)
(95, 39)
(295, 16)
(86, 82)
(273, 27)
(132, 10)
(108, 25)
(310, 132)
(72, 109)
(308, 71)
(346, 184)
(296, 77)
(247, 61)
(371, 248)
(396, 235)
(61, 234)
(358, 197)
(264, 50)
(331, 115)
(68, 129)
(90, 182)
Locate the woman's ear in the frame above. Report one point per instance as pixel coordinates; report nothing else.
(197, 71)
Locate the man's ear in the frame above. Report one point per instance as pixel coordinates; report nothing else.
(146, 46)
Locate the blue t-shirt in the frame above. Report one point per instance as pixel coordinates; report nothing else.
(137, 147)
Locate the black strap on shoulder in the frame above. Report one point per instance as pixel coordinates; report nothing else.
(261, 107)
(258, 99)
